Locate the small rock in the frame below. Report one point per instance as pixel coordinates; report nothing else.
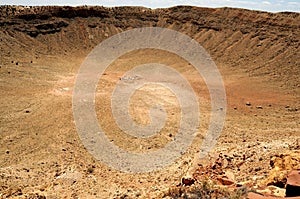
(276, 191)
(138, 194)
(36, 195)
(248, 104)
(225, 163)
(292, 109)
(190, 195)
(230, 175)
(187, 181)
(225, 181)
(259, 107)
(90, 170)
(257, 169)
(255, 178)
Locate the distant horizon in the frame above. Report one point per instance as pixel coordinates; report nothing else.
(155, 8)
(274, 12)
(267, 6)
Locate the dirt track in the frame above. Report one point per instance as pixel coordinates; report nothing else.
(41, 51)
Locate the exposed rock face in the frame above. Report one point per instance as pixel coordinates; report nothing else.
(282, 165)
(45, 28)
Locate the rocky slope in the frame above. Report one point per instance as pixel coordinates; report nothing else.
(259, 42)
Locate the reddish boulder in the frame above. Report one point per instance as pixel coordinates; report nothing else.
(293, 184)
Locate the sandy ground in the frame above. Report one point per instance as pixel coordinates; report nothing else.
(41, 151)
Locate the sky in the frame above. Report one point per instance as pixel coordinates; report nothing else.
(265, 5)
